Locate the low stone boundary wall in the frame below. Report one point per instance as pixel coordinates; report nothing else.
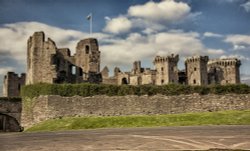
(48, 107)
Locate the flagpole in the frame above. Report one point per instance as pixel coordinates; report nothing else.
(91, 20)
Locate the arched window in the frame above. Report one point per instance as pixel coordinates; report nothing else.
(124, 81)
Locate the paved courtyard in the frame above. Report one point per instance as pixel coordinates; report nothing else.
(141, 139)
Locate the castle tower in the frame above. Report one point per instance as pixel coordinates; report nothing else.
(196, 69)
(12, 84)
(224, 71)
(136, 67)
(166, 69)
(87, 57)
(39, 59)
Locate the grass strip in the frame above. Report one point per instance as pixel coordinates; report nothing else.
(186, 119)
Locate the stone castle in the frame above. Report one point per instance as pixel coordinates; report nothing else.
(48, 64)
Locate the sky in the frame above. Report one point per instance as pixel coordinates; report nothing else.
(129, 30)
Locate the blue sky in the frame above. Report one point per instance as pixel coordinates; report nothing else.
(129, 30)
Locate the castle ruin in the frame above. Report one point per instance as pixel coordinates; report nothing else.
(48, 64)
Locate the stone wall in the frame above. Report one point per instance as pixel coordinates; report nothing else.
(11, 107)
(47, 107)
(10, 114)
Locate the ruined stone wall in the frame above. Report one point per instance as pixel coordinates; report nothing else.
(65, 68)
(47, 107)
(123, 78)
(39, 59)
(134, 79)
(148, 78)
(12, 84)
(111, 80)
(196, 69)
(48, 64)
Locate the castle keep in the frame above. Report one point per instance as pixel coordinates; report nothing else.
(48, 64)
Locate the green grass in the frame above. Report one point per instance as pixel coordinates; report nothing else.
(187, 119)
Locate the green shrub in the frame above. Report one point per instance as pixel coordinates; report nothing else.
(87, 89)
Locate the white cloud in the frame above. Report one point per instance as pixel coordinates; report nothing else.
(215, 51)
(14, 37)
(3, 71)
(151, 16)
(145, 47)
(168, 10)
(118, 25)
(239, 47)
(241, 57)
(210, 34)
(239, 42)
(107, 18)
(238, 39)
(246, 6)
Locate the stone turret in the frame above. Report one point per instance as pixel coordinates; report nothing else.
(196, 70)
(166, 69)
(12, 84)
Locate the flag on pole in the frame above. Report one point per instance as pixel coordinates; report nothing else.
(89, 16)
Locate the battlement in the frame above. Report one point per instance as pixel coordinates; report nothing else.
(12, 84)
(197, 58)
(11, 75)
(225, 62)
(172, 58)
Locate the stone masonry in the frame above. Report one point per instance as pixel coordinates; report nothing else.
(196, 70)
(48, 64)
(10, 114)
(12, 84)
(49, 107)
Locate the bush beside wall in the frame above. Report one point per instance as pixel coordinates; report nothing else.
(87, 89)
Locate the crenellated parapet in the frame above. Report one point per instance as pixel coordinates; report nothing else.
(171, 58)
(12, 84)
(225, 62)
(197, 58)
